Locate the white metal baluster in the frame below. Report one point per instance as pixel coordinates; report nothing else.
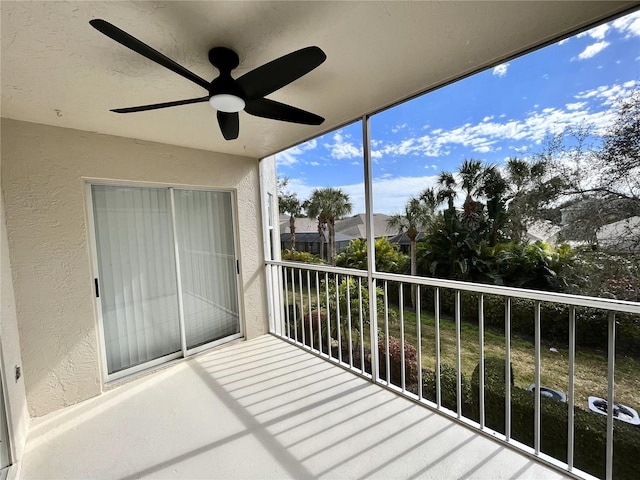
(270, 296)
(507, 386)
(437, 312)
(326, 288)
(402, 367)
(361, 323)
(481, 365)
(386, 333)
(293, 297)
(286, 297)
(536, 417)
(571, 396)
(349, 321)
(281, 282)
(610, 394)
(310, 310)
(338, 319)
(458, 357)
(419, 335)
(302, 320)
(319, 312)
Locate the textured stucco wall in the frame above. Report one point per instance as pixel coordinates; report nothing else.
(16, 400)
(43, 171)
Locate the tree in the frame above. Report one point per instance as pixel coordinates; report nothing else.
(418, 214)
(597, 176)
(620, 154)
(494, 188)
(471, 174)
(290, 205)
(447, 189)
(328, 205)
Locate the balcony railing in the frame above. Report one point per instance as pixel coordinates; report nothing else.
(332, 312)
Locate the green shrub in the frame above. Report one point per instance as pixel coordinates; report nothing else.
(304, 257)
(591, 329)
(395, 361)
(350, 303)
(494, 384)
(590, 428)
(448, 389)
(388, 256)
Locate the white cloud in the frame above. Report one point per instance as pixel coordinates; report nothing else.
(314, 164)
(562, 42)
(483, 149)
(342, 147)
(575, 106)
(390, 194)
(597, 33)
(290, 157)
(487, 118)
(500, 70)
(629, 25)
(592, 50)
(485, 137)
(397, 128)
(609, 94)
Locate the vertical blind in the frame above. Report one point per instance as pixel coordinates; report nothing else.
(138, 279)
(204, 228)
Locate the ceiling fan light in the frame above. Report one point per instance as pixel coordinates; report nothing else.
(225, 102)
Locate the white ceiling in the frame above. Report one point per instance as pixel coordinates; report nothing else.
(58, 70)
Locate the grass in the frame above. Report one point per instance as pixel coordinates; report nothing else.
(590, 367)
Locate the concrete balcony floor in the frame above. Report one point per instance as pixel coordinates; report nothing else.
(261, 409)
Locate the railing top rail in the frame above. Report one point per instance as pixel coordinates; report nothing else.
(553, 297)
(320, 268)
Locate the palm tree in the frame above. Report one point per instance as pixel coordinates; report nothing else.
(328, 205)
(494, 188)
(471, 172)
(528, 192)
(447, 189)
(290, 205)
(418, 213)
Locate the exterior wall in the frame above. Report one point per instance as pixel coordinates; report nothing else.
(43, 177)
(14, 392)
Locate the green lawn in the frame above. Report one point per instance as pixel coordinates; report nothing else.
(590, 368)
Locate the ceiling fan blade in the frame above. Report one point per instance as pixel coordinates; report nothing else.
(155, 106)
(136, 45)
(280, 72)
(263, 107)
(229, 125)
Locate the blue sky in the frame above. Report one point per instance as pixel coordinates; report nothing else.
(503, 112)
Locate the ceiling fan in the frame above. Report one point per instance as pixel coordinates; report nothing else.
(230, 95)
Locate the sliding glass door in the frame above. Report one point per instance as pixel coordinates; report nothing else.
(167, 272)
